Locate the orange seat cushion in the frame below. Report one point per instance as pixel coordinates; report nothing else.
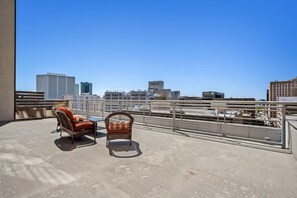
(119, 127)
(82, 125)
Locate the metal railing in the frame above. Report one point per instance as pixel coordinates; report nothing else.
(252, 120)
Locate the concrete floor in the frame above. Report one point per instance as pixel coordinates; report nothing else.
(37, 163)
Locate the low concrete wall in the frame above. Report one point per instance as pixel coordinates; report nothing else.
(33, 113)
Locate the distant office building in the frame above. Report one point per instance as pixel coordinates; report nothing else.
(155, 86)
(85, 87)
(175, 95)
(132, 95)
(85, 102)
(76, 89)
(209, 95)
(165, 94)
(115, 95)
(137, 95)
(113, 100)
(54, 85)
(156, 91)
(282, 89)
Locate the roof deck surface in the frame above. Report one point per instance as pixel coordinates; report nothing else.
(38, 163)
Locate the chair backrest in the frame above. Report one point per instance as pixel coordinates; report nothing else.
(120, 113)
(68, 112)
(64, 119)
(54, 111)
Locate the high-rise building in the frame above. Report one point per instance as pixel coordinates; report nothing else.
(156, 91)
(155, 86)
(86, 87)
(175, 95)
(76, 89)
(282, 88)
(55, 86)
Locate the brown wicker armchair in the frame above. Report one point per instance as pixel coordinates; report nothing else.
(120, 128)
(73, 127)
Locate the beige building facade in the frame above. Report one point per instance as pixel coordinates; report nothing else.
(7, 60)
(282, 89)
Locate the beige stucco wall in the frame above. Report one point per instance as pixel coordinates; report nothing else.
(7, 59)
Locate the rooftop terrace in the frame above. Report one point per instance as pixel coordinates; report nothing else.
(36, 162)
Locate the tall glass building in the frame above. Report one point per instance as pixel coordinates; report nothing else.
(86, 87)
(55, 86)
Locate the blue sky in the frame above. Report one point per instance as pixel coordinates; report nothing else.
(232, 46)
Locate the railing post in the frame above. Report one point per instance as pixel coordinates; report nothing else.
(103, 108)
(173, 117)
(150, 108)
(181, 113)
(143, 115)
(283, 126)
(87, 105)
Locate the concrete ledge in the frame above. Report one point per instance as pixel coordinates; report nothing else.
(293, 132)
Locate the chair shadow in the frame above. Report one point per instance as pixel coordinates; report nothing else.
(64, 142)
(100, 134)
(56, 131)
(122, 149)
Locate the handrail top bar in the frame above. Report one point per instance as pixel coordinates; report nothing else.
(194, 101)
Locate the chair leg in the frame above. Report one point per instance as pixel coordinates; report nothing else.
(60, 132)
(72, 140)
(95, 135)
(107, 142)
(58, 126)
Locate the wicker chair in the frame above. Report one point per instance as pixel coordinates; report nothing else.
(120, 128)
(72, 127)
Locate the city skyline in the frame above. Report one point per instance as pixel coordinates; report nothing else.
(233, 47)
